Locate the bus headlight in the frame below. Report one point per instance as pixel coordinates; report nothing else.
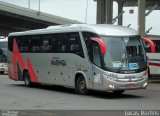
(145, 74)
(145, 84)
(111, 86)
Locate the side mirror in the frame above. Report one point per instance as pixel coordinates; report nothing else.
(101, 44)
(151, 44)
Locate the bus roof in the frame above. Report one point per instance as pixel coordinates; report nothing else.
(101, 29)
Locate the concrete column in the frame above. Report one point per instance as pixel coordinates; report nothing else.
(141, 17)
(101, 11)
(104, 11)
(120, 10)
(109, 11)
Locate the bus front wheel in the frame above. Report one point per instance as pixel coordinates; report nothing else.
(149, 74)
(27, 80)
(81, 87)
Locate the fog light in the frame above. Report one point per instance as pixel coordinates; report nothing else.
(145, 84)
(111, 86)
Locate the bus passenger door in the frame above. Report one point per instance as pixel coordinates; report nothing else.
(96, 67)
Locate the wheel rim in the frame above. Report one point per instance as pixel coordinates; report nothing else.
(26, 81)
(82, 86)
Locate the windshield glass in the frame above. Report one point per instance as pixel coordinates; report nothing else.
(3, 51)
(124, 53)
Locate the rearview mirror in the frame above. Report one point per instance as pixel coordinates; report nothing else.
(101, 44)
(150, 43)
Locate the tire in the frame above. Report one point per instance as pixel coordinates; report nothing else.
(2, 72)
(149, 74)
(81, 86)
(27, 80)
(119, 92)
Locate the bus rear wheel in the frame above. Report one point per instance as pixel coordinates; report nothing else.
(119, 92)
(27, 80)
(81, 87)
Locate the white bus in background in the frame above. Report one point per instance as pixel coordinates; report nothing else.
(80, 56)
(153, 57)
(3, 55)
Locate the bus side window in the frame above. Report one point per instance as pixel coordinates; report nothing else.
(157, 45)
(147, 47)
(23, 45)
(59, 43)
(10, 44)
(35, 44)
(75, 45)
(96, 55)
(87, 38)
(46, 43)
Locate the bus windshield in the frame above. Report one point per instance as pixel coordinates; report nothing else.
(3, 51)
(124, 53)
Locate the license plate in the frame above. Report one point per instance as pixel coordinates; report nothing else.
(130, 85)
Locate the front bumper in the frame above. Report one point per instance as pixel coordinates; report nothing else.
(4, 70)
(110, 85)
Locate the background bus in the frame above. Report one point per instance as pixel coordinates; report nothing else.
(99, 57)
(153, 57)
(3, 55)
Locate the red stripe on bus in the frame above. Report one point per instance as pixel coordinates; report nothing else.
(17, 58)
(10, 74)
(32, 73)
(154, 64)
(153, 49)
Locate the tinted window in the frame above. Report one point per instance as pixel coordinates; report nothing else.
(75, 45)
(147, 47)
(59, 43)
(49, 43)
(10, 43)
(23, 44)
(96, 55)
(3, 47)
(157, 46)
(87, 38)
(35, 43)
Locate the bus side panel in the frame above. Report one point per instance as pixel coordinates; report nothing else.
(154, 63)
(18, 63)
(77, 64)
(37, 65)
(59, 70)
(10, 65)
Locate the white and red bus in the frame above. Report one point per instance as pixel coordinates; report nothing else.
(3, 55)
(153, 53)
(85, 57)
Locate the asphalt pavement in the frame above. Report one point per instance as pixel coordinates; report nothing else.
(15, 96)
